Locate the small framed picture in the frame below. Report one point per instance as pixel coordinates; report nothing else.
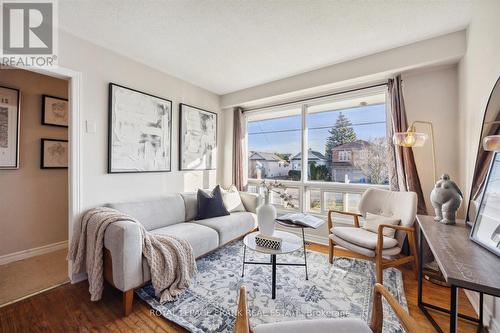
(9, 128)
(54, 154)
(54, 111)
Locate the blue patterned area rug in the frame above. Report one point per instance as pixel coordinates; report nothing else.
(342, 290)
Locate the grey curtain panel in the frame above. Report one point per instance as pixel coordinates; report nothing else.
(403, 174)
(238, 150)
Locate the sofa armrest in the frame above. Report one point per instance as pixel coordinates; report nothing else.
(124, 241)
(250, 200)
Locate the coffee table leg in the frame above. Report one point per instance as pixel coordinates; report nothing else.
(273, 280)
(305, 252)
(244, 255)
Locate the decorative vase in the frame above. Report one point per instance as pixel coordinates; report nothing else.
(266, 214)
(446, 198)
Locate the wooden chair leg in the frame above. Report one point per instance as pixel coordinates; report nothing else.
(379, 276)
(413, 249)
(331, 250)
(128, 300)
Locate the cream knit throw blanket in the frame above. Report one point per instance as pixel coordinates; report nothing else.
(170, 259)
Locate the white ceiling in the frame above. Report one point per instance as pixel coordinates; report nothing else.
(229, 45)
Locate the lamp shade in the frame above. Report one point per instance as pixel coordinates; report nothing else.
(491, 142)
(409, 139)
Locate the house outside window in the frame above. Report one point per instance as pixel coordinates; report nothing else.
(327, 152)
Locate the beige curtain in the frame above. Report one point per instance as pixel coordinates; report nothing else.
(403, 174)
(239, 177)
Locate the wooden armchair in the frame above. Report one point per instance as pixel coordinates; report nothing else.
(329, 325)
(384, 251)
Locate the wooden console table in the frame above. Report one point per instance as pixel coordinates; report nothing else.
(464, 264)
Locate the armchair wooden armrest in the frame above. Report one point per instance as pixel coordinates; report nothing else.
(406, 321)
(242, 324)
(380, 233)
(380, 246)
(355, 216)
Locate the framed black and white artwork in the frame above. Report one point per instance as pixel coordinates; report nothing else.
(9, 127)
(139, 131)
(54, 111)
(197, 138)
(54, 154)
(486, 229)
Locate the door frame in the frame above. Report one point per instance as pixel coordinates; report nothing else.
(74, 79)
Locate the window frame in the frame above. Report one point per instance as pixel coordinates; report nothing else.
(304, 185)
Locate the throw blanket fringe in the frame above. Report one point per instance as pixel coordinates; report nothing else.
(170, 259)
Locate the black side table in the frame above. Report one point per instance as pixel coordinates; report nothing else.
(296, 226)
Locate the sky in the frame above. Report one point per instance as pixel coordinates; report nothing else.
(368, 123)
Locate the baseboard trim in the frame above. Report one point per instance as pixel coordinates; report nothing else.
(20, 255)
(489, 319)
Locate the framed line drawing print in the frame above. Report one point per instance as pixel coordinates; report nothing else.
(139, 131)
(10, 106)
(197, 138)
(54, 154)
(54, 111)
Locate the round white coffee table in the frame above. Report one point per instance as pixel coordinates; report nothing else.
(290, 243)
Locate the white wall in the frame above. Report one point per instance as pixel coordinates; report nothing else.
(432, 95)
(478, 72)
(440, 50)
(99, 67)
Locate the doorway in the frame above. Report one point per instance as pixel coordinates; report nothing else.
(38, 200)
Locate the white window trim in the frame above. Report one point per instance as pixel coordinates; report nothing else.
(304, 185)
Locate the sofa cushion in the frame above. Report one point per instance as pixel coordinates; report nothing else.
(154, 214)
(210, 205)
(231, 226)
(362, 237)
(203, 239)
(191, 205)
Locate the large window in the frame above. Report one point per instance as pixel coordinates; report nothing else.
(347, 140)
(327, 152)
(274, 140)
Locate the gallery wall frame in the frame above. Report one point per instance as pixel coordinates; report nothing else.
(206, 141)
(155, 139)
(55, 115)
(53, 153)
(9, 127)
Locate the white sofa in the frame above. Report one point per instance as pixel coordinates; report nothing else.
(126, 268)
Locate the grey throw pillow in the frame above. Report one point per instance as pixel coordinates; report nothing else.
(210, 204)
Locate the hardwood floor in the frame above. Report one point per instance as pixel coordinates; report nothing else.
(69, 309)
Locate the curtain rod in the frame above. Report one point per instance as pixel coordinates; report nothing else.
(317, 97)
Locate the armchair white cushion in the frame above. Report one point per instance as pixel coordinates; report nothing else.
(362, 237)
(372, 222)
(318, 325)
